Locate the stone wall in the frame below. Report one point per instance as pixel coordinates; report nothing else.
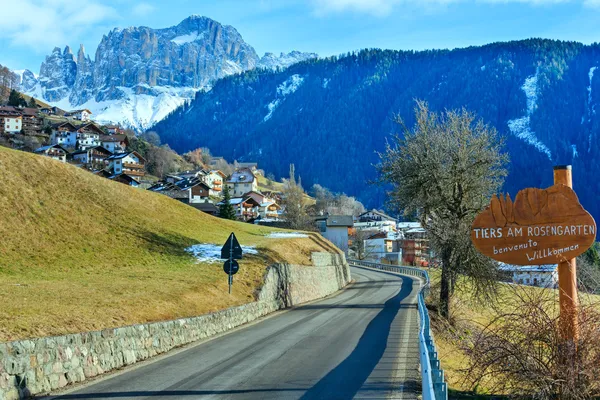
(36, 366)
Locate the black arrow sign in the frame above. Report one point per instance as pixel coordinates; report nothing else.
(231, 249)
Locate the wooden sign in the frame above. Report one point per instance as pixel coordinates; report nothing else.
(542, 226)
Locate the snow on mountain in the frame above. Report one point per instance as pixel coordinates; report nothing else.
(520, 127)
(139, 74)
(271, 61)
(288, 87)
(589, 89)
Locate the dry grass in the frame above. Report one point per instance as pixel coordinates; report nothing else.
(467, 315)
(79, 252)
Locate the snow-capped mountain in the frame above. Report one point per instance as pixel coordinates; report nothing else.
(139, 74)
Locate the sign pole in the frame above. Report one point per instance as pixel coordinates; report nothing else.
(231, 261)
(567, 273)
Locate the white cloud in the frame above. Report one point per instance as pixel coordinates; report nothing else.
(43, 24)
(143, 9)
(381, 8)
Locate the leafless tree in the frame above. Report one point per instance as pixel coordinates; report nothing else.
(294, 207)
(445, 170)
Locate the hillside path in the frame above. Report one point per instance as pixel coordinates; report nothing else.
(361, 343)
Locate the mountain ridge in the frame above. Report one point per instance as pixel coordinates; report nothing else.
(342, 109)
(140, 74)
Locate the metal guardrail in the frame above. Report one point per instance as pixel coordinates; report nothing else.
(432, 376)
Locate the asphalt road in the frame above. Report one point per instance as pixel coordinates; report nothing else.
(361, 343)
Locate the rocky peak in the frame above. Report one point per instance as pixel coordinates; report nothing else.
(28, 81)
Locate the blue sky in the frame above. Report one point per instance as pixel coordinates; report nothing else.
(323, 26)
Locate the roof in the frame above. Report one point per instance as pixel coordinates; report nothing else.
(408, 225)
(380, 213)
(338, 220)
(242, 176)
(62, 124)
(113, 138)
(180, 185)
(44, 148)
(91, 126)
(206, 207)
(216, 171)
(78, 111)
(119, 156)
(124, 177)
(527, 268)
(99, 148)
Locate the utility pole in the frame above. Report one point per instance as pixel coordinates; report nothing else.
(567, 274)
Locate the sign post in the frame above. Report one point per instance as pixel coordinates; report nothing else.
(567, 273)
(542, 226)
(231, 251)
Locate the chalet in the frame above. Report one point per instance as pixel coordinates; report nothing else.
(206, 207)
(216, 160)
(131, 163)
(125, 179)
(242, 181)
(51, 111)
(81, 115)
(199, 174)
(375, 215)
(269, 210)
(187, 190)
(54, 151)
(114, 130)
(114, 143)
(214, 180)
(94, 157)
(246, 209)
(545, 276)
(64, 134)
(11, 120)
(88, 136)
(32, 124)
(252, 166)
(336, 229)
(259, 197)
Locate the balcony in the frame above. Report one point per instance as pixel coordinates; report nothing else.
(133, 166)
(134, 172)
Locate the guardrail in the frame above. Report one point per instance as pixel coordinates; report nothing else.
(432, 376)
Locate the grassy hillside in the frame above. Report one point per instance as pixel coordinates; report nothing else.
(80, 252)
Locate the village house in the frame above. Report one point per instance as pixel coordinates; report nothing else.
(545, 276)
(92, 157)
(337, 229)
(241, 182)
(11, 121)
(269, 210)
(125, 179)
(190, 190)
(64, 134)
(252, 166)
(81, 115)
(130, 163)
(246, 208)
(51, 111)
(114, 143)
(114, 129)
(190, 174)
(32, 124)
(88, 136)
(54, 151)
(214, 180)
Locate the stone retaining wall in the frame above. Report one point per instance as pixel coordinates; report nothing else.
(36, 366)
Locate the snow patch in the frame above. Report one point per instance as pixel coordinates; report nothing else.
(574, 148)
(591, 108)
(520, 127)
(326, 83)
(211, 253)
(288, 87)
(189, 38)
(286, 235)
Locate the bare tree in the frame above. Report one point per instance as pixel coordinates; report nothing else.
(161, 161)
(522, 351)
(294, 209)
(445, 170)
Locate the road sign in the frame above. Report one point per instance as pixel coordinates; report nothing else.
(542, 226)
(231, 267)
(231, 249)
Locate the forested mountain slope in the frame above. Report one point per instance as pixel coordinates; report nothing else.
(331, 116)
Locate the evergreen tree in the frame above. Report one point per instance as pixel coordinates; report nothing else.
(16, 100)
(226, 210)
(32, 103)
